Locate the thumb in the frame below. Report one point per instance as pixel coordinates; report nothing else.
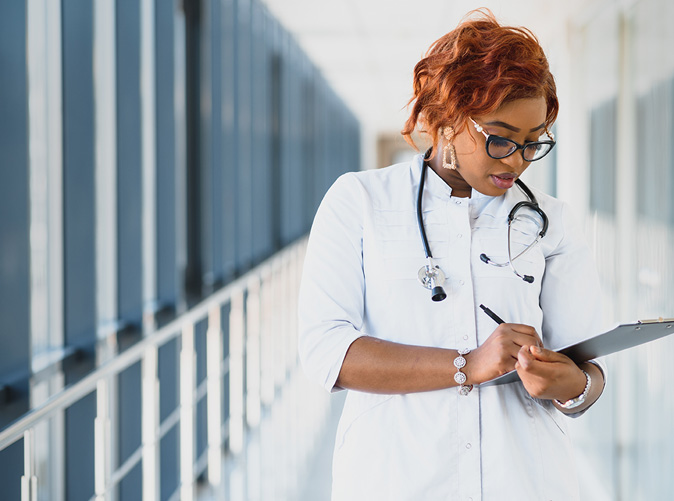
(524, 358)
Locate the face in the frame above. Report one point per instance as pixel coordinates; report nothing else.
(522, 121)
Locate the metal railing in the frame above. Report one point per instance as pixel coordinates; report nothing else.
(256, 372)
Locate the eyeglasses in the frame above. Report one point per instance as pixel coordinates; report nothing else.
(500, 147)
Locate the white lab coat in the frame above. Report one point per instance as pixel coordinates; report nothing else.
(360, 278)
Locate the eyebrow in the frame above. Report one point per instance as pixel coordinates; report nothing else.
(498, 123)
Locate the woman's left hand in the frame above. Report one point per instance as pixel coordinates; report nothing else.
(549, 375)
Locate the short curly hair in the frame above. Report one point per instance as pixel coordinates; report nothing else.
(475, 69)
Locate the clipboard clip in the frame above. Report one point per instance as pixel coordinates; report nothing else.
(656, 321)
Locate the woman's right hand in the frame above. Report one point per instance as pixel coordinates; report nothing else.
(498, 354)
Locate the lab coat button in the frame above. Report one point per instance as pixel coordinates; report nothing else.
(461, 282)
(468, 446)
(465, 338)
(459, 235)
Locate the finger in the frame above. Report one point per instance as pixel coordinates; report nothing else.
(524, 329)
(548, 355)
(520, 340)
(528, 331)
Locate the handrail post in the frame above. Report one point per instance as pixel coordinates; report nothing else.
(102, 455)
(29, 480)
(252, 356)
(267, 337)
(236, 372)
(150, 424)
(187, 391)
(214, 397)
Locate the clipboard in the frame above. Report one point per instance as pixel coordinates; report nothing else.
(620, 338)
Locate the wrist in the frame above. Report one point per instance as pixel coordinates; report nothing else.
(578, 400)
(473, 374)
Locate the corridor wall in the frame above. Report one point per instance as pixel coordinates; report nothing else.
(618, 164)
(150, 153)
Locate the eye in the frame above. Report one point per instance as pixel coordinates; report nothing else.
(501, 142)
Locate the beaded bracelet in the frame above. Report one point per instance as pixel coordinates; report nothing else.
(460, 377)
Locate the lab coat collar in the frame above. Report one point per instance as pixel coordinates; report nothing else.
(437, 191)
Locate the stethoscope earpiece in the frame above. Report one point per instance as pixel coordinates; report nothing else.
(485, 259)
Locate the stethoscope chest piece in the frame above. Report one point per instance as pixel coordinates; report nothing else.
(432, 278)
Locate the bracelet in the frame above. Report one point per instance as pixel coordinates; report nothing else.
(460, 377)
(580, 399)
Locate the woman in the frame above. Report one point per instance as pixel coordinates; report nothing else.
(418, 422)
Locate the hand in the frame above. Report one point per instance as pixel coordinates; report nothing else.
(549, 375)
(499, 353)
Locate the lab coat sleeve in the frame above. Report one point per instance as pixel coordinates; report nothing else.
(331, 300)
(570, 291)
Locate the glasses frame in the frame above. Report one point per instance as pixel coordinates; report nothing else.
(489, 138)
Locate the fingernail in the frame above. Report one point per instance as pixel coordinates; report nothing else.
(535, 349)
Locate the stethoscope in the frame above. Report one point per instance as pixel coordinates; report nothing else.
(432, 277)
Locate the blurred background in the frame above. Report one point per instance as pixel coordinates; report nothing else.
(160, 165)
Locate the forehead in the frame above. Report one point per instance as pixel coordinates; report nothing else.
(523, 114)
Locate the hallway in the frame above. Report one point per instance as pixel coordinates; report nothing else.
(252, 477)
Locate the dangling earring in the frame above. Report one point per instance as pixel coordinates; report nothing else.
(448, 132)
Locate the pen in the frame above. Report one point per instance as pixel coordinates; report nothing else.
(492, 315)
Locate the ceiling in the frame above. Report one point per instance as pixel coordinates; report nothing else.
(367, 49)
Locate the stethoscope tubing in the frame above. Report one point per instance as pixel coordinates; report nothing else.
(532, 203)
(420, 218)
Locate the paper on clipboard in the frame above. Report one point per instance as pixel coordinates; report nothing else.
(620, 338)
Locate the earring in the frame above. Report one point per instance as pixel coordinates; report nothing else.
(448, 132)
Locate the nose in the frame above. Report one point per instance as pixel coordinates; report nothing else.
(515, 162)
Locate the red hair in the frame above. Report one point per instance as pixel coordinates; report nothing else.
(473, 70)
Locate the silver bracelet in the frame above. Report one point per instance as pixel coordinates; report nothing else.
(580, 399)
(460, 377)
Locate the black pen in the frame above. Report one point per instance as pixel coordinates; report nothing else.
(492, 315)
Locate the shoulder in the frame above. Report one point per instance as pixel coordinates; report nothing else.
(375, 178)
(545, 201)
(389, 186)
(563, 228)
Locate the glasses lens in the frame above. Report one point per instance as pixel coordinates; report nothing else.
(500, 147)
(536, 151)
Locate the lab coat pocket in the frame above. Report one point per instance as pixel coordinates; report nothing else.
(356, 410)
(399, 240)
(552, 414)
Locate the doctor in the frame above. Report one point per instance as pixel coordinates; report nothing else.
(417, 422)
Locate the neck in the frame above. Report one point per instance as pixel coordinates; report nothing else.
(460, 188)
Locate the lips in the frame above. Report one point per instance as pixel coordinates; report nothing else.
(504, 181)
